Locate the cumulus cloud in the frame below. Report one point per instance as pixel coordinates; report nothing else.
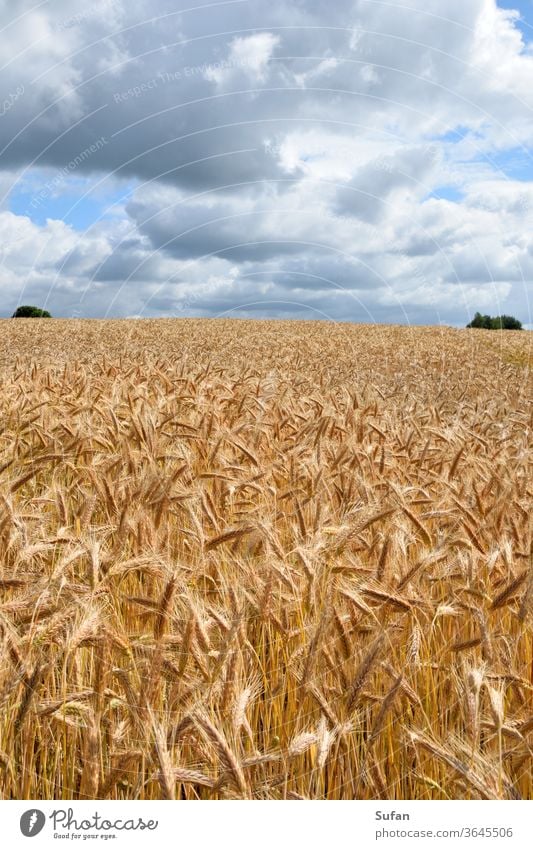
(248, 57)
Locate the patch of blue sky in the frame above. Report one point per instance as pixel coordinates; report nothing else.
(512, 163)
(516, 164)
(458, 134)
(525, 22)
(450, 193)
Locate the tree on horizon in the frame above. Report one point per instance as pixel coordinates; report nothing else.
(500, 322)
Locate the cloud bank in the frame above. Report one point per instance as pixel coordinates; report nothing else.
(360, 161)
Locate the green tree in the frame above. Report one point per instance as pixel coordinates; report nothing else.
(478, 321)
(506, 322)
(500, 322)
(30, 312)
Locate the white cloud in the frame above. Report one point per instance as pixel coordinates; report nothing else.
(248, 56)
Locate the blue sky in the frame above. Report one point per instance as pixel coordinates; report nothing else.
(525, 22)
(71, 201)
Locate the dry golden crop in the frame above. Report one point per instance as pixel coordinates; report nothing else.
(264, 560)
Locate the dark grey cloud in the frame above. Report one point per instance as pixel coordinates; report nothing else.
(373, 186)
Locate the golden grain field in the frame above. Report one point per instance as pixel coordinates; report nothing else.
(267, 560)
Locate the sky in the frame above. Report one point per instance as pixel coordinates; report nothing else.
(361, 160)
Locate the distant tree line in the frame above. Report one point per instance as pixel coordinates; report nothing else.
(499, 322)
(30, 312)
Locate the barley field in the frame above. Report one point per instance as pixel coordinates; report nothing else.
(268, 560)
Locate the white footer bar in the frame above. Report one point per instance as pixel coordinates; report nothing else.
(268, 825)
